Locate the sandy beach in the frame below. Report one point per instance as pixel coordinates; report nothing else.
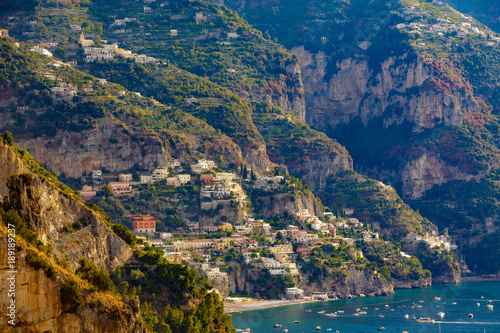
(253, 304)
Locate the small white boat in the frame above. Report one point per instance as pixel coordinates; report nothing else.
(376, 309)
(421, 301)
(285, 330)
(471, 315)
(330, 314)
(441, 314)
(386, 306)
(328, 329)
(322, 311)
(356, 314)
(362, 312)
(490, 301)
(318, 328)
(489, 306)
(437, 298)
(381, 316)
(426, 320)
(478, 304)
(407, 316)
(308, 310)
(482, 296)
(454, 303)
(340, 311)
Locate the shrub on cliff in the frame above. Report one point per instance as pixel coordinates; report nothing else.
(98, 277)
(7, 138)
(71, 295)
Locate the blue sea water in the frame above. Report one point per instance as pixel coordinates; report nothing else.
(393, 309)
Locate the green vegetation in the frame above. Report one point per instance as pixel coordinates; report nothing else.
(173, 298)
(375, 204)
(385, 254)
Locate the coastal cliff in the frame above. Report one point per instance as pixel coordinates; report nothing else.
(40, 306)
(49, 212)
(41, 278)
(405, 91)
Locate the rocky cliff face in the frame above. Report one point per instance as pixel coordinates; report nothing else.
(404, 90)
(38, 296)
(74, 153)
(47, 211)
(408, 284)
(421, 174)
(277, 204)
(350, 282)
(316, 169)
(223, 210)
(356, 90)
(39, 307)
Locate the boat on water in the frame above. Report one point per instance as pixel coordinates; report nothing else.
(381, 329)
(441, 314)
(362, 312)
(322, 311)
(471, 315)
(295, 321)
(356, 314)
(381, 316)
(437, 298)
(489, 306)
(490, 301)
(340, 311)
(277, 326)
(407, 316)
(308, 310)
(285, 330)
(318, 328)
(478, 304)
(330, 314)
(454, 303)
(426, 320)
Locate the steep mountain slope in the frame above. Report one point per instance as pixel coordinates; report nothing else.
(409, 87)
(74, 138)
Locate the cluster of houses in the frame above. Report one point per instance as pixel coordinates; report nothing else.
(442, 26)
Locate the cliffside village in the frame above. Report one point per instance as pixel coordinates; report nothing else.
(260, 245)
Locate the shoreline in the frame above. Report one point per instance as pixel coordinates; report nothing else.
(260, 305)
(253, 304)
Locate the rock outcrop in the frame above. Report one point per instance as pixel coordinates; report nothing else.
(47, 211)
(421, 174)
(404, 90)
(76, 153)
(268, 206)
(357, 91)
(39, 307)
(350, 281)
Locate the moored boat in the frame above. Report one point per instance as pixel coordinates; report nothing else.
(277, 326)
(426, 320)
(441, 314)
